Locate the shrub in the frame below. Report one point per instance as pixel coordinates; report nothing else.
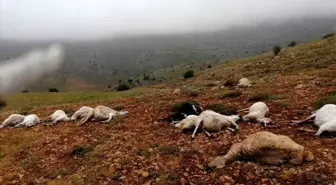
(233, 94)
(25, 91)
(80, 151)
(265, 96)
(146, 77)
(169, 150)
(53, 90)
(3, 103)
(188, 74)
(222, 109)
(328, 35)
(209, 66)
(230, 83)
(276, 50)
(259, 97)
(190, 93)
(123, 87)
(211, 84)
(292, 44)
(109, 86)
(118, 107)
(329, 98)
(130, 81)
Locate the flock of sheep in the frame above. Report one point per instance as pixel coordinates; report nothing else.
(99, 113)
(264, 146)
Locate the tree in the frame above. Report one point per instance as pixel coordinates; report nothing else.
(292, 44)
(123, 87)
(188, 74)
(53, 90)
(276, 50)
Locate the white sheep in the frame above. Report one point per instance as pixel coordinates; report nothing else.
(209, 121)
(257, 112)
(12, 120)
(58, 116)
(103, 113)
(29, 121)
(81, 113)
(324, 118)
(244, 82)
(265, 147)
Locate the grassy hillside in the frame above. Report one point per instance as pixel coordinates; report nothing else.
(138, 150)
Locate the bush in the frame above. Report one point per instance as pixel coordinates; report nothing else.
(80, 151)
(209, 66)
(146, 77)
(328, 35)
(222, 109)
(233, 94)
(3, 103)
(188, 74)
(259, 97)
(53, 90)
(169, 150)
(265, 96)
(329, 98)
(230, 83)
(25, 91)
(276, 50)
(123, 87)
(292, 44)
(190, 93)
(130, 81)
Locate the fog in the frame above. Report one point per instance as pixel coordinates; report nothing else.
(95, 19)
(29, 67)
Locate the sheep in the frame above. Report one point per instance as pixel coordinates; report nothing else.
(29, 121)
(81, 113)
(58, 116)
(12, 120)
(265, 147)
(324, 118)
(103, 113)
(209, 121)
(244, 82)
(257, 112)
(29, 67)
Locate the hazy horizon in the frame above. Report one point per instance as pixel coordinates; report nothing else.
(88, 19)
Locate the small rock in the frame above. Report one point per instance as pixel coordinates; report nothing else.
(143, 173)
(221, 179)
(147, 183)
(300, 86)
(177, 91)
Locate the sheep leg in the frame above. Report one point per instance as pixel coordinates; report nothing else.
(207, 133)
(57, 120)
(241, 110)
(232, 155)
(88, 116)
(303, 121)
(196, 128)
(111, 115)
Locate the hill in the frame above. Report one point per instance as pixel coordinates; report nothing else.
(93, 65)
(139, 150)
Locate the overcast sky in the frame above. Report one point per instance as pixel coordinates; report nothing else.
(90, 19)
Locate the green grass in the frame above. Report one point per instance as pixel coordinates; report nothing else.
(262, 96)
(233, 94)
(329, 98)
(27, 101)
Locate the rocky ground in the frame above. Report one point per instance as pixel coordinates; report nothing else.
(139, 150)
